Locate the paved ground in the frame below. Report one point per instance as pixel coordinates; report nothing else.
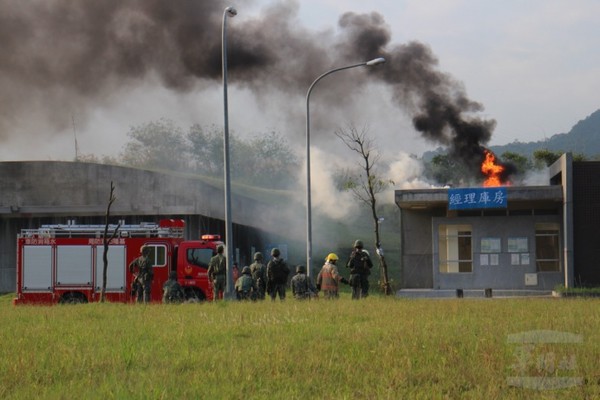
(476, 293)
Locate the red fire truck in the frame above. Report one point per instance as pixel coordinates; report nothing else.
(64, 263)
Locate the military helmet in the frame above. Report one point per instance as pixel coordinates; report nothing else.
(358, 244)
(220, 248)
(332, 257)
(300, 269)
(246, 270)
(144, 248)
(275, 252)
(258, 256)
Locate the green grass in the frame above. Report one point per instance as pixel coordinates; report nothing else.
(379, 347)
(578, 291)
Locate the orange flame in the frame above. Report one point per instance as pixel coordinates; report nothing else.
(491, 170)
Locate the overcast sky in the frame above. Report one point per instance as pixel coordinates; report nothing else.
(533, 65)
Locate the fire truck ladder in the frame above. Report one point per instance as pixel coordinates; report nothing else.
(144, 229)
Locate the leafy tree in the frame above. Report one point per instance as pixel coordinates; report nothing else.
(242, 161)
(265, 160)
(544, 157)
(521, 163)
(159, 144)
(446, 170)
(366, 185)
(341, 177)
(206, 150)
(272, 161)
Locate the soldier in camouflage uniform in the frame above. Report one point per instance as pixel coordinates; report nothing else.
(302, 287)
(244, 286)
(259, 275)
(172, 290)
(217, 268)
(277, 275)
(143, 273)
(360, 265)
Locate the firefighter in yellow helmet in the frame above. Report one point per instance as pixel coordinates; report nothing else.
(328, 280)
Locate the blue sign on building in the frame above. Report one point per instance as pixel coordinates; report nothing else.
(473, 198)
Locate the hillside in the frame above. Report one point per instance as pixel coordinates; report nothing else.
(583, 138)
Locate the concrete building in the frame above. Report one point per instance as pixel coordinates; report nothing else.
(532, 239)
(53, 192)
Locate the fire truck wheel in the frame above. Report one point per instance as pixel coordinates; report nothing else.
(72, 298)
(194, 295)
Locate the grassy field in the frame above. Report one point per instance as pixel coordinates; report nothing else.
(377, 348)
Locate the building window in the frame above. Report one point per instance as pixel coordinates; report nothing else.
(455, 250)
(547, 250)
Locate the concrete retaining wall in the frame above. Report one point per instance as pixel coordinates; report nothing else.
(51, 192)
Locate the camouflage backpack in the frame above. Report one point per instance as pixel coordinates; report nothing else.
(246, 285)
(258, 272)
(219, 266)
(300, 283)
(172, 292)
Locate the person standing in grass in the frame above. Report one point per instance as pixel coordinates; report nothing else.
(217, 267)
(143, 273)
(360, 265)
(302, 287)
(172, 291)
(329, 278)
(244, 286)
(277, 275)
(235, 272)
(259, 275)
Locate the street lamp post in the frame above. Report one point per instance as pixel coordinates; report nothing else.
(375, 61)
(229, 12)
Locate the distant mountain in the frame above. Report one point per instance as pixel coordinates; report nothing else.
(583, 138)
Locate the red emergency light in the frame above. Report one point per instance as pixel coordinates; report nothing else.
(210, 237)
(171, 223)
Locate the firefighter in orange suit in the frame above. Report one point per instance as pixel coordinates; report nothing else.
(329, 278)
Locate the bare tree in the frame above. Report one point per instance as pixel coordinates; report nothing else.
(106, 241)
(367, 185)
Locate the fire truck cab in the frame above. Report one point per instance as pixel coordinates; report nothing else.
(65, 263)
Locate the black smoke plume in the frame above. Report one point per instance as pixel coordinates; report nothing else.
(62, 55)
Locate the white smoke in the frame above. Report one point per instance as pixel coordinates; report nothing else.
(407, 172)
(536, 178)
(325, 197)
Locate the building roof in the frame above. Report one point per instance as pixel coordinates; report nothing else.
(518, 196)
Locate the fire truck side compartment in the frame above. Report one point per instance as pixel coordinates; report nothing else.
(37, 268)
